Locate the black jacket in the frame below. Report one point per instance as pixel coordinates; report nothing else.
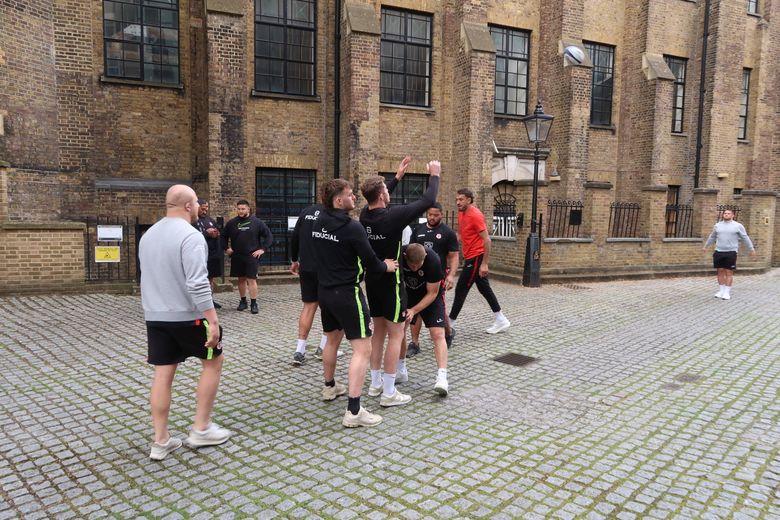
(301, 243)
(214, 244)
(247, 235)
(341, 250)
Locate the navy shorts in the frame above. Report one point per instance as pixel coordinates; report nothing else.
(724, 260)
(215, 267)
(434, 315)
(309, 285)
(244, 266)
(387, 297)
(345, 308)
(171, 342)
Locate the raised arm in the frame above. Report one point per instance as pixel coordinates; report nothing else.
(409, 212)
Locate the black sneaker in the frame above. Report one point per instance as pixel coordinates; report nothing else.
(255, 309)
(448, 339)
(217, 306)
(412, 350)
(242, 306)
(298, 358)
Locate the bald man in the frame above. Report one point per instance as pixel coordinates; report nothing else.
(180, 319)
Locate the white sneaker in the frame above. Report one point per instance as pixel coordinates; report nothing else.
(211, 436)
(329, 393)
(498, 326)
(719, 294)
(441, 387)
(376, 391)
(160, 451)
(397, 399)
(363, 418)
(402, 376)
(725, 296)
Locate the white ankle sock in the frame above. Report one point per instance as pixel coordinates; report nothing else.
(726, 289)
(722, 288)
(500, 316)
(389, 380)
(376, 377)
(442, 373)
(323, 341)
(301, 346)
(401, 365)
(452, 323)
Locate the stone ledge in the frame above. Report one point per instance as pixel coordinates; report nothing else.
(362, 19)
(235, 7)
(618, 240)
(761, 193)
(685, 240)
(52, 226)
(598, 185)
(567, 240)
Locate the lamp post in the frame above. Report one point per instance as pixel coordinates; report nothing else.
(538, 127)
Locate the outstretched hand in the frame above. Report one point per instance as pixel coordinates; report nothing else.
(402, 166)
(434, 168)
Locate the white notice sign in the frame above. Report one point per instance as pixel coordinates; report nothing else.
(109, 233)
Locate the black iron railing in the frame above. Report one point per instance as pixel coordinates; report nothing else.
(564, 218)
(623, 219)
(679, 221)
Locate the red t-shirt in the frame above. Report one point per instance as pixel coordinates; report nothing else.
(470, 224)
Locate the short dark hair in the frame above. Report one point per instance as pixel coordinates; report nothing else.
(202, 201)
(243, 202)
(371, 188)
(468, 193)
(436, 205)
(331, 189)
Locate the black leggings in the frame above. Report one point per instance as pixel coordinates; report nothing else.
(469, 276)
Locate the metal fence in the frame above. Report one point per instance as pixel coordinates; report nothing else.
(679, 221)
(723, 207)
(504, 216)
(114, 258)
(564, 218)
(624, 219)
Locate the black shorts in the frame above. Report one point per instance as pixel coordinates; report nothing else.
(434, 315)
(344, 308)
(724, 260)
(387, 297)
(309, 285)
(244, 266)
(171, 342)
(215, 267)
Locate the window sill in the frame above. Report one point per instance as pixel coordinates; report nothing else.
(509, 117)
(290, 97)
(681, 240)
(408, 107)
(498, 238)
(611, 128)
(619, 240)
(679, 134)
(755, 15)
(567, 240)
(136, 83)
(743, 141)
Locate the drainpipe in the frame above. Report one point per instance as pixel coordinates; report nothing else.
(702, 92)
(337, 96)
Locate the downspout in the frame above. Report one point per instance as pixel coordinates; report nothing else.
(702, 92)
(337, 96)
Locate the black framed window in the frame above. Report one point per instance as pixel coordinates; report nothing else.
(743, 104)
(410, 189)
(284, 46)
(405, 58)
(141, 40)
(281, 195)
(678, 67)
(511, 85)
(752, 6)
(603, 58)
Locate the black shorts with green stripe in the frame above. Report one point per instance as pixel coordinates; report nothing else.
(344, 308)
(387, 297)
(171, 342)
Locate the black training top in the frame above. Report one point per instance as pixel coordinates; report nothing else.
(214, 244)
(246, 235)
(301, 244)
(341, 250)
(442, 239)
(385, 226)
(429, 272)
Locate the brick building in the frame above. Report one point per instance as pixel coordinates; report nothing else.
(105, 103)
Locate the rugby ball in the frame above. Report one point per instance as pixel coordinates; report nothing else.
(573, 55)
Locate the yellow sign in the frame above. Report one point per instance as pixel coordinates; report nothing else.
(106, 254)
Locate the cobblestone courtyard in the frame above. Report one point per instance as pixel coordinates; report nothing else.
(648, 399)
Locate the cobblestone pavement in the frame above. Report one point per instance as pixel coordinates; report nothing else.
(648, 399)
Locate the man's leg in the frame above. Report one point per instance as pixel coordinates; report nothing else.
(242, 287)
(466, 278)
(729, 277)
(304, 327)
(722, 276)
(440, 351)
(377, 349)
(415, 331)
(252, 285)
(160, 400)
(355, 414)
(329, 356)
(207, 391)
(390, 396)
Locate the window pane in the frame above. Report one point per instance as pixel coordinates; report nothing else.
(405, 57)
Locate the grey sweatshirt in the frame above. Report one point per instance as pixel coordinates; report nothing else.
(174, 280)
(727, 235)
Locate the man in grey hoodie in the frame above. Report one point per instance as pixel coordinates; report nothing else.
(726, 235)
(180, 319)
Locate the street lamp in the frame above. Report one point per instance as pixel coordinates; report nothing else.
(538, 127)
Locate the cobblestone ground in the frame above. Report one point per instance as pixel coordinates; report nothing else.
(648, 399)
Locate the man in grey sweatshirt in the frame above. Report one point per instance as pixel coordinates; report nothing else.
(726, 235)
(180, 318)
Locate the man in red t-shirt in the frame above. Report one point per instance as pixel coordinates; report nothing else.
(476, 252)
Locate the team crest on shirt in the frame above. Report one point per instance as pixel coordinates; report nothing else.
(420, 273)
(438, 236)
(429, 244)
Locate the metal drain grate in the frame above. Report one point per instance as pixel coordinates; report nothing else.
(514, 359)
(575, 287)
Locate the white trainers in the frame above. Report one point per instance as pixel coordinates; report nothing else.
(725, 296)
(363, 418)
(719, 294)
(441, 387)
(397, 399)
(211, 436)
(376, 391)
(329, 393)
(498, 326)
(402, 376)
(160, 451)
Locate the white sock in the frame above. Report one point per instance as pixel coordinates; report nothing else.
(389, 380)
(401, 365)
(323, 342)
(500, 316)
(376, 377)
(301, 347)
(452, 323)
(722, 288)
(442, 373)
(726, 290)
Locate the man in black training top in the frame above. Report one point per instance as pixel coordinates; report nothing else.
(422, 276)
(341, 252)
(215, 262)
(246, 239)
(386, 293)
(442, 239)
(304, 266)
